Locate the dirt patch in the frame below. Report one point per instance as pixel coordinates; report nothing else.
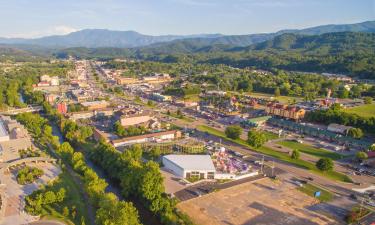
(261, 202)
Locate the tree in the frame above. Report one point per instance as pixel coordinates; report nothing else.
(295, 154)
(324, 164)
(361, 156)
(367, 100)
(65, 211)
(233, 132)
(60, 195)
(114, 212)
(355, 133)
(277, 92)
(256, 138)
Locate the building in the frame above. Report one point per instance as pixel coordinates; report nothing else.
(95, 105)
(50, 98)
(157, 78)
(126, 80)
(256, 122)
(161, 98)
(13, 136)
(54, 81)
(285, 111)
(188, 166)
(135, 119)
(62, 107)
(339, 129)
(152, 137)
(45, 78)
(4, 135)
(81, 115)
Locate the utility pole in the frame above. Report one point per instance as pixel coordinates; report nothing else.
(261, 166)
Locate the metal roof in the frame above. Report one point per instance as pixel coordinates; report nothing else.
(192, 162)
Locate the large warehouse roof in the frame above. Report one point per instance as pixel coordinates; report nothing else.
(192, 162)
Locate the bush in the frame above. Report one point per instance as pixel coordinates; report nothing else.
(324, 164)
(28, 175)
(295, 154)
(233, 132)
(256, 138)
(367, 100)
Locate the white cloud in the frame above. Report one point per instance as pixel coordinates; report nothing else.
(55, 30)
(62, 29)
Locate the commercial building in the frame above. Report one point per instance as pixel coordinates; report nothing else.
(157, 78)
(257, 121)
(339, 129)
(126, 80)
(13, 136)
(4, 135)
(188, 166)
(161, 98)
(285, 111)
(135, 119)
(95, 105)
(153, 137)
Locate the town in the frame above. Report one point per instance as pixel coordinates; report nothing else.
(210, 144)
(187, 112)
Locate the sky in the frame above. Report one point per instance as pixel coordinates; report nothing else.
(36, 18)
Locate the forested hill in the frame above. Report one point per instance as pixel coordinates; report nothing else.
(347, 53)
(330, 43)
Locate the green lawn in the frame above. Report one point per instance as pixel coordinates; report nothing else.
(270, 135)
(309, 189)
(73, 198)
(363, 110)
(310, 150)
(282, 99)
(184, 118)
(281, 156)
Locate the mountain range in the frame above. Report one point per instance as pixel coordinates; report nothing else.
(96, 38)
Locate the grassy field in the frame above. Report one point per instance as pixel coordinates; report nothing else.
(281, 156)
(270, 135)
(184, 118)
(309, 189)
(363, 110)
(310, 150)
(193, 98)
(282, 99)
(73, 198)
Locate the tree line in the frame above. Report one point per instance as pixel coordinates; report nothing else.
(136, 178)
(109, 210)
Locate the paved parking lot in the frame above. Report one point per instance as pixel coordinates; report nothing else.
(14, 194)
(172, 183)
(261, 202)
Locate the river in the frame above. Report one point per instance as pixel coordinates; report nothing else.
(145, 216)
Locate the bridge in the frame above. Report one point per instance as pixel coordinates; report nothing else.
(7, 165)
(29, 108)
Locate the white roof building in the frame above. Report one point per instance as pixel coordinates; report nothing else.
(187, 166)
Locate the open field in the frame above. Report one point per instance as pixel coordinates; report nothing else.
(282, 99)
(363, 110)
(310, 150)
(262, 202)
(73, 198)
(310, 190)
(281, 156)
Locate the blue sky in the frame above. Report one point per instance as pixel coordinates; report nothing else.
(35, 18)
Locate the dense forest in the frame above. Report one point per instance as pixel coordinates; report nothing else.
(346, 52)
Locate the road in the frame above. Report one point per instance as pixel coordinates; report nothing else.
(337, 187)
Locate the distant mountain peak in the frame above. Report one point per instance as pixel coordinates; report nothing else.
(93, 38)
